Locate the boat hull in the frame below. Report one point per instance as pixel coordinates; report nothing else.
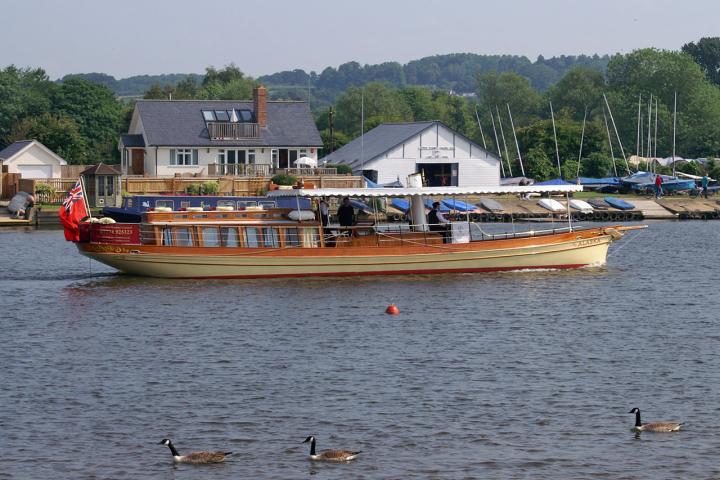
(547, 252)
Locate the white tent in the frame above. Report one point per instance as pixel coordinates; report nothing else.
(306, 162)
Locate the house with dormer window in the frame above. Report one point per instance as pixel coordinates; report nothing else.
(218, 137)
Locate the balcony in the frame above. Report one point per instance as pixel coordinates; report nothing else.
(232, 130)
(239, 169)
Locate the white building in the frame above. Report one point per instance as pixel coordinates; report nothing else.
(31, 159)
(207, 137)
(392, 151)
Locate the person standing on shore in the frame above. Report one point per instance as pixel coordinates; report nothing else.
(704, 184)
(658, 186)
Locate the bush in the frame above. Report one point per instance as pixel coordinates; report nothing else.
(284, 179)
(44, 192)
(341, 168)
(192, 189)
(210, 188)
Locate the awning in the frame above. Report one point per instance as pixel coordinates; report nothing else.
(433, 191)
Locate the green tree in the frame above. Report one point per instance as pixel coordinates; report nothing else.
(59, 134)
(97, 113)
(497, 90)
(23, 93)
(706, 53)
(579, 88)
(597, 165)
(382, 104)
(539, 166)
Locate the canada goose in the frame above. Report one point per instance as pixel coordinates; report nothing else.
(330, 455)
(653, 427)
(196, 458)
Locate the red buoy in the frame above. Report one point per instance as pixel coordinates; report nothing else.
(392, 309)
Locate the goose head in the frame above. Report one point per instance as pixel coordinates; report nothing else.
(309, 439)
(165, 441)
(634, 410)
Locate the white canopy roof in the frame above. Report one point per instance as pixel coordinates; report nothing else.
(433, 191)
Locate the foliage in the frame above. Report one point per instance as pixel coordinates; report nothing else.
(23, 93)
(539, 165)
(193, 189)
(496, 91)
(210, 188)
(382, 104)
(42, 188)
(284, 179)
(713, 168)
(578, 89)
(692, 168)
(706, 52)
(342, 169)
(59, 133)
(597, 165)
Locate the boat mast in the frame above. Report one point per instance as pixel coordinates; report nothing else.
(637, 143)
(517, 145)
(649, 138)
(502, 134)
(612, 119)
(497, 144)
(612, 155)
(362, 131)
(482, 135)
(674, 125)
(656, 123)
(557, 152)
(582, 138)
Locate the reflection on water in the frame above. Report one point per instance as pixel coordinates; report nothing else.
(504, 375)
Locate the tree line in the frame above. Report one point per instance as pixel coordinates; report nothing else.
(82, 119)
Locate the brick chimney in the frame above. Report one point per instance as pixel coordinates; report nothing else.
(260, 104)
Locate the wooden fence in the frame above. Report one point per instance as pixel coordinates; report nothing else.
(11, 183)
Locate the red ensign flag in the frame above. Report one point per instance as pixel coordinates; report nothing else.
(72, 211)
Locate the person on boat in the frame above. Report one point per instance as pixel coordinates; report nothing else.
(658, 186)
(346, 213)
(324, 212)
(438, 222)
(704, 184)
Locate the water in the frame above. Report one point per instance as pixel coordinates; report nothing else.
(514, 375)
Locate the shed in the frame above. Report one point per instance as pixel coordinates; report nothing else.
(31, 159)
(102, 185)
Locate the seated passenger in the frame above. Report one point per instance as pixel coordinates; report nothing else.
(438, 222)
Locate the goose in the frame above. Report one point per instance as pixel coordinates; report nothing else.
(196, 458)
(653, 427)
(330, 455)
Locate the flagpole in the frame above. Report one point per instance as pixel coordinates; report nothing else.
(87, 206)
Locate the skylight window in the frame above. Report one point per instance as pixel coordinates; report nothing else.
(245, 115)
(208, 115)
(222, 115)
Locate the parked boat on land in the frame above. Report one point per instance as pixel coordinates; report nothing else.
(581, 205)
(552, 205)
(619, 203)
(266, 242)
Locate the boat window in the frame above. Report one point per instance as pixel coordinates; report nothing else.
(292, 238)
(184, 204)
(267, 204)
(229, 237)
(183, 237)
(270, 237)
(252, 237)
(128, 202)
(164, 203)
(310, 237)
(167, 236)
(210, 237)
(246, 203)
(226, 203)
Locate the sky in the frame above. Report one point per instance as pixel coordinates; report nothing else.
(136, 37)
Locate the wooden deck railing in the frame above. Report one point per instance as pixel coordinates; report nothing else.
(232, 131)
(239, 170)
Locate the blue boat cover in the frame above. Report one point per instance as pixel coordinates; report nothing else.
(401, 204)
(598, 203)
(454, 204)
(599, 181)
(555, 181)
(361, 205)
(619, 203)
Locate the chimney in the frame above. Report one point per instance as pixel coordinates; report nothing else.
(260, 104)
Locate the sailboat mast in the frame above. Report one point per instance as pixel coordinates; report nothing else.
(557, 152)
(482, 135)
(637, 144)
(362, 131)
(497, 144)
(502, 134)
(617, 135)
(674, 126)
(649, 138)
(517, 145)
(582, 138)
(612, 155)
(656, 123)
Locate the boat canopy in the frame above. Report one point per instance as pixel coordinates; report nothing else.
(433, 191)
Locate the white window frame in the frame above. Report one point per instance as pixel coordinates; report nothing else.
(250, 156)
(184, 156)
(274, 157)
(221, 156)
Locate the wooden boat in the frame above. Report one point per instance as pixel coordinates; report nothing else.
(256, 242)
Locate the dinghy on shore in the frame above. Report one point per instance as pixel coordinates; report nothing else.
(552, 205)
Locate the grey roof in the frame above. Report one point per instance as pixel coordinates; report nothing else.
(180, 123)
(101, 169)
(381, 140)
(132, 140)
(13, 148)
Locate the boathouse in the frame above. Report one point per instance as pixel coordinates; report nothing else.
(392, 151)
(218, 137)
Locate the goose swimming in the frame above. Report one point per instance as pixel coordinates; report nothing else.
(196, 458)
(655, 426)
(330, 455)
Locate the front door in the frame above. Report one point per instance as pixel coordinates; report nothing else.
(138, 162)
(283, 158)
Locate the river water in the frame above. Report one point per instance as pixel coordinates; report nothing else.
(508, 375)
